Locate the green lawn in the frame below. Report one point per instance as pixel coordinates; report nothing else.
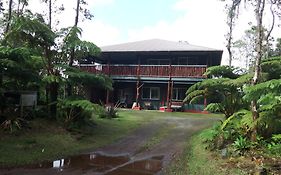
(47, 141)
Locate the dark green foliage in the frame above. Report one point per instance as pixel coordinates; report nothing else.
(241, 145)
(272, 67)
(74, 48)
(224, 94)
(19, 69)
(34, 57)
(111, 112)
(99, 111)
(74, 111)
(108, 112)
(30, 32)
(12, 120)
(232, 96)
(76, 76)
(12, 124)
(222, 71)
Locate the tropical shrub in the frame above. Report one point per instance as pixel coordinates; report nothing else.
(241, 145)
(231, 94)
(74, 112)
(105, 112)
(274, 147)
(223, 90)
(11, 121)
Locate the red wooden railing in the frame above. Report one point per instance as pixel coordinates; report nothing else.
(193, 71)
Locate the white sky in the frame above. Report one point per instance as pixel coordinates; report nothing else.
(198, 22)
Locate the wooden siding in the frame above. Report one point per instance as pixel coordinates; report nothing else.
(148, 70)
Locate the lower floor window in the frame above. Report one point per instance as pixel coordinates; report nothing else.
(179, 93)
(151, 93)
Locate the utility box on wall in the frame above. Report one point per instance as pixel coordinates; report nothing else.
(28, 99)
(21, 98)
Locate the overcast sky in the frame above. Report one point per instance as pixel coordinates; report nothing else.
(200, 22)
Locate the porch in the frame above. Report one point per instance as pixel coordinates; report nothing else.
(149, 95)
(160, 71)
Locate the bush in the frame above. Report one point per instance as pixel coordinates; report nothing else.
(274, 147)
(214, 137)
(99, 111)
(105, 112)
(241, 145)
(11, 121)
(74, 112)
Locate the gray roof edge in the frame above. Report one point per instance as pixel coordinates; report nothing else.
(137, 51)
(154, 45)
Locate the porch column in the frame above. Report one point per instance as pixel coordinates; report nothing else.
(138, 86)
(169, 109)
(107, 101)
(136, 106)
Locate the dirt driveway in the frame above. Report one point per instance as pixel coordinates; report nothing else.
(148, 150)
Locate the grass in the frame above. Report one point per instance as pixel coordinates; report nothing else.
(197, 160)
(46, 140)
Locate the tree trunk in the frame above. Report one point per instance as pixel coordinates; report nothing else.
(54, 87)
(50, 14)
(72, 54)
(9, 16)
(232, 12)
(229, 40)
(259, 18)
(18, 8)
(77, 13)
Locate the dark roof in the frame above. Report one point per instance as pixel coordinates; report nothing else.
(155, 45)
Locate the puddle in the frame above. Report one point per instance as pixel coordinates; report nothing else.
(102, 164)
(141, 167)
(96, 162)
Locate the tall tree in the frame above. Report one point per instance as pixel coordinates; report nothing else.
(73, 37)
(9, 16)
(20, 6)
(259, 12)
(232, 10)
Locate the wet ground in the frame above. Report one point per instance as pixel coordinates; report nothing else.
(144, 152)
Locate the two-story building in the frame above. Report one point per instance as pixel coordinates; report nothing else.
(152, 74)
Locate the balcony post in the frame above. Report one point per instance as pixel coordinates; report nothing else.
(138, 86)
(169, 109)
(107, 102)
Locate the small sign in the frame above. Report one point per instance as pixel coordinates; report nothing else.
(29, 99)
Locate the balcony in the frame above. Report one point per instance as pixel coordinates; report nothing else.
(176, 71)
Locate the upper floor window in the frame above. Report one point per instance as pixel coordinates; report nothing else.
(158, 61)
(182, 61)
